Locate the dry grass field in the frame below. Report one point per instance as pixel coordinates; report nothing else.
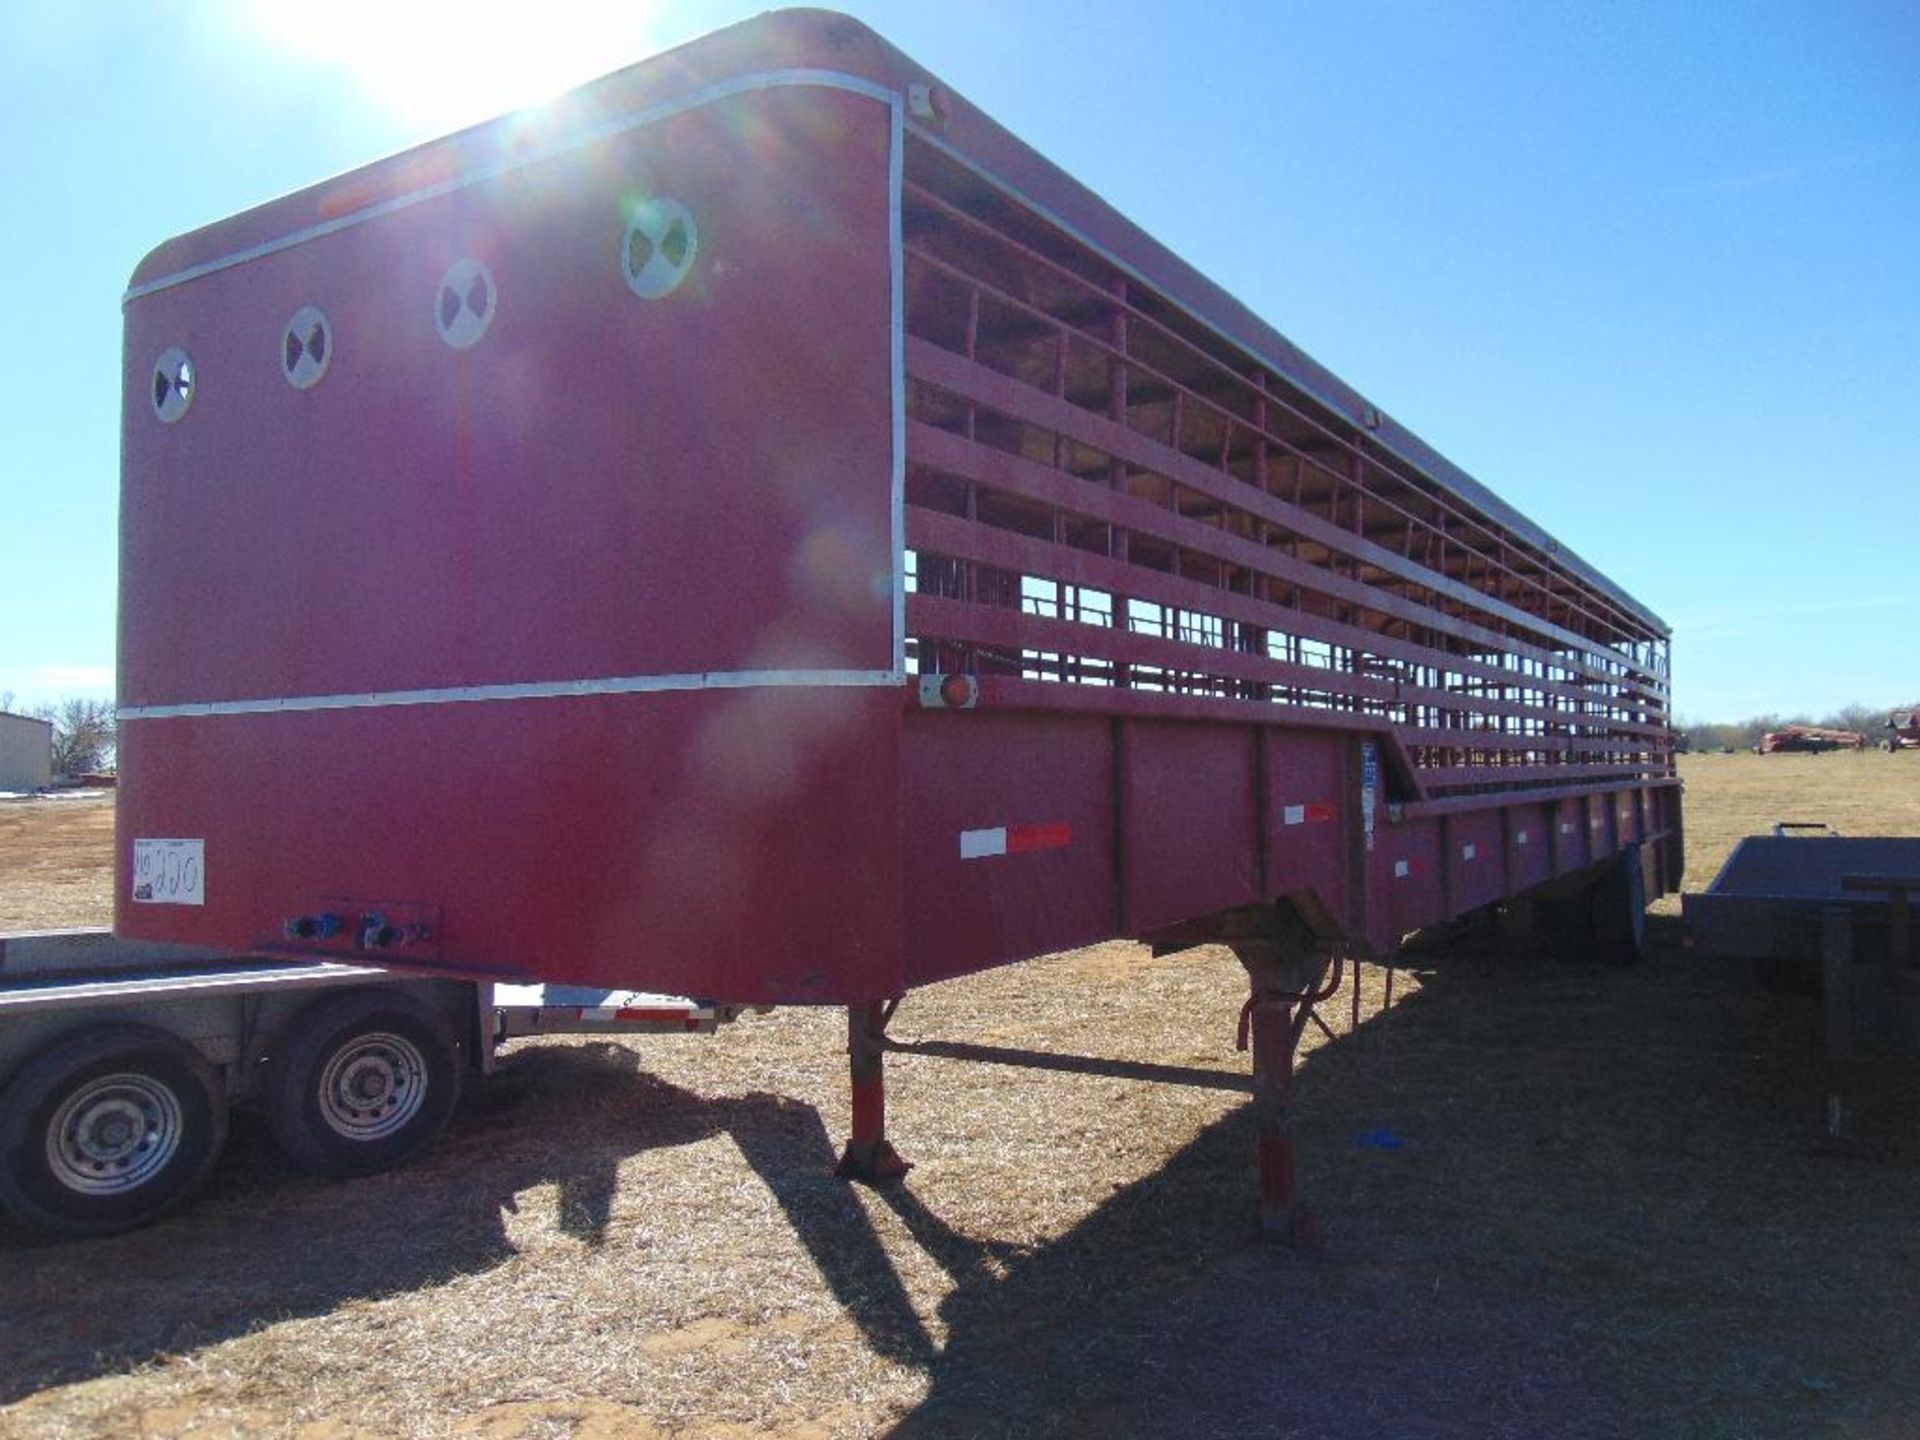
(1609, 1214)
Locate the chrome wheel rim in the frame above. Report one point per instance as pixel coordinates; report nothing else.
(373, 1087)
(114, 1134)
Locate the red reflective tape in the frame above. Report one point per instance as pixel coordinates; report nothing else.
(1319, 812)
(1038, 837)
(650, 1013)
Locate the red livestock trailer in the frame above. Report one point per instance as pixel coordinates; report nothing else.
(753, 529)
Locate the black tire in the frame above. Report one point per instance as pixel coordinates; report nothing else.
(1619, 900)
(108, 1129)
(361, 1082)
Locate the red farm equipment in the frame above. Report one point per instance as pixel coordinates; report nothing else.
(1808, 740)
(754, 530)
(1903, 730)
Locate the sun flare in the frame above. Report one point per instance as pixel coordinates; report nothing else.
(436, 65)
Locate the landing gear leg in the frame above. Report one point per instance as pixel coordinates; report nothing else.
(869, 1157)
(1282, 994)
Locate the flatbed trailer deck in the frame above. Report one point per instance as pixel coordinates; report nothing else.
(120, 1059)
(1840, 911)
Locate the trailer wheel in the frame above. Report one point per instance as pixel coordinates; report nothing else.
(361, 1082)
(1619, 899)
(108, 1130)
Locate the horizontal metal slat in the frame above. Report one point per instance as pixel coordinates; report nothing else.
(954, 372)
(957, 538)
(941, 450)
(966, 622)
(1589, 589)
(960, 620)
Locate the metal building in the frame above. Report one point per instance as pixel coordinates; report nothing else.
(26, 752)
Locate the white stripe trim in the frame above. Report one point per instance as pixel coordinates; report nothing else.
(529, 690)
(897, 281)
(639, 119)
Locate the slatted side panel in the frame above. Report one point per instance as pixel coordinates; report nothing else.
(1102, 493)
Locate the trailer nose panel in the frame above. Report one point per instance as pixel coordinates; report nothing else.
(516, 545)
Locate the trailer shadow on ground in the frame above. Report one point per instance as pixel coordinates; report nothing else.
(1557, 1200)
(265, 1244)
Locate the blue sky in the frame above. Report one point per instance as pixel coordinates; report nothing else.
(1650, 271)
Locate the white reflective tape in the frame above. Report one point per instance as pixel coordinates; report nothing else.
(979, 844)
(1294, 815)
(1469, 852)
(1401, 869)
(1521, 838)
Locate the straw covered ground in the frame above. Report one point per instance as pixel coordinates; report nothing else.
(1558, 1201)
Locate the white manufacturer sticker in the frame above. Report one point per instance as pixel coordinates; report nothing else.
(170, 872)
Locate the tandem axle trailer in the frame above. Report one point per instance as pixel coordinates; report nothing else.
(121, 1058)
(753, 528)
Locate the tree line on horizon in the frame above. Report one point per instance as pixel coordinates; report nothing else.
(1710, 735)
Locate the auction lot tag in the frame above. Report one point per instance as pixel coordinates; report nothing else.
(170, 872)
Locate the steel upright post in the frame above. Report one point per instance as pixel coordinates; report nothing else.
(868, 1156)
(1282, 978)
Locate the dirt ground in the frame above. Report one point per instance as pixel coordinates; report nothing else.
(1558, 1201)
(56, 862)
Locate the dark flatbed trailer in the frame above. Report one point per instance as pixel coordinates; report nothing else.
(1837, 908)
(119, 1062)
